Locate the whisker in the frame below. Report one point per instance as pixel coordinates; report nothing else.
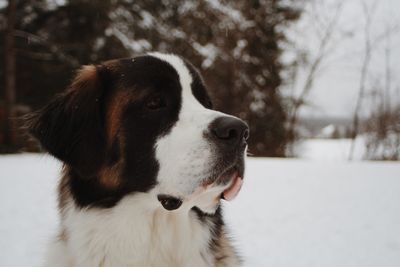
(248, 153)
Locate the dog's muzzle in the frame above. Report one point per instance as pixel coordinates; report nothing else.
(229, 136)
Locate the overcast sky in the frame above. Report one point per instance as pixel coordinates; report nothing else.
(336, 87)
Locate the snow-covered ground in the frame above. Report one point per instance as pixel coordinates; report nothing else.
(294, 213)
(291, 212)
(330, 149)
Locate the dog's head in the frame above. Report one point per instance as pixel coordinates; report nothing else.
(144, 125)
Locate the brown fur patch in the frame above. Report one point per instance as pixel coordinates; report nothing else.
(114, 113)
(62, 236)
(110, 176)
(63, 190)
(87, 77)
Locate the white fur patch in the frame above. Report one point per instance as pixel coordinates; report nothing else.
(185, 156)
(136, 232)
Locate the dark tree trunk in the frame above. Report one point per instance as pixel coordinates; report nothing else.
(9, 77)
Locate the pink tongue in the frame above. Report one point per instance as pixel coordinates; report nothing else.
(232, 191)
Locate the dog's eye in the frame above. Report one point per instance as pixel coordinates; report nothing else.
(155, 102)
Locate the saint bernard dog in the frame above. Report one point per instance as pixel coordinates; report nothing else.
(146, 162)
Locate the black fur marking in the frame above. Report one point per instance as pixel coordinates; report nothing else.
(90, 193)
(214, 222)
(141, 126)
(198, 88)
(70, 128)
(205, 217)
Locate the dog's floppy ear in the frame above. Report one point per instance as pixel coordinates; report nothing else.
(71, 126)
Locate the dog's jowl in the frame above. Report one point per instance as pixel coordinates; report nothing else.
(146, 163)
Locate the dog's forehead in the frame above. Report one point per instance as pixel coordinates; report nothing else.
(192, 93)
(185, 77)
(161, 72)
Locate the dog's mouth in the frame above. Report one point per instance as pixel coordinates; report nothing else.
(233, 177)
(229, 181)
(233, 190)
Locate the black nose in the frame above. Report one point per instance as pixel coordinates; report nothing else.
(230, 129)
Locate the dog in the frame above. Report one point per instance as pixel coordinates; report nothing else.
(146, 162)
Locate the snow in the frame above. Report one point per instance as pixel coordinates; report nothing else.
(290, 212)
(234, 14)
(330, 149)
(28, 215)
(302, 213)
(137, 45)
(208, 51)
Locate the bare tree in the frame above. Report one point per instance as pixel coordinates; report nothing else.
(388, 74)
(325, 36)
(382, 127)
(368, 13)
(9, 74)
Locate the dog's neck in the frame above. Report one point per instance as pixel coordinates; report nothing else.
(138, 231)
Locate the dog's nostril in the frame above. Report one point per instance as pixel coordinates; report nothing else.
(225, 133)
(246, 134)
(229, 129)
(232, 134)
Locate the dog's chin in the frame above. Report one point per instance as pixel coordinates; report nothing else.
(225, 186)
(230, 179)
(224, 182)
(224, 172)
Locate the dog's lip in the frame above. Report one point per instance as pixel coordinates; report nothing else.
(231, 179)
(233, 190)
(225, 177)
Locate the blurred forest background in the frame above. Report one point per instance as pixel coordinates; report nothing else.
(246, 50)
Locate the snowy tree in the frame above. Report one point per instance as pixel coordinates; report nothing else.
(236, 45)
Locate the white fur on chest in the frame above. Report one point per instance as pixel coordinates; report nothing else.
(134, 233)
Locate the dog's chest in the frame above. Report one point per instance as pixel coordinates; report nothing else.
(119, 237)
